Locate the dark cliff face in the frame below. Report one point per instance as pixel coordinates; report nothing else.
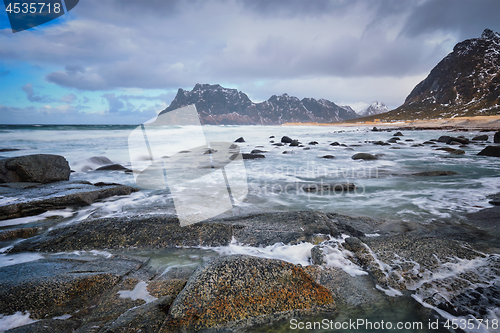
(219, 106)
(465, 83)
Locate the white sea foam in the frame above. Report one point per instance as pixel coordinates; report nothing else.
(140, 292)
(63, 317)
(464, 275)
(30, 219)
(334, 256)
(18, 319)
(389, 291)
(295, 254)
(18, 258)
(99, 253)
(420, 200)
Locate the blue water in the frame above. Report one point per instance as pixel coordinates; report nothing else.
(384, 188)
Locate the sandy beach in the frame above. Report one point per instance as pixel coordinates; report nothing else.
(478, 122)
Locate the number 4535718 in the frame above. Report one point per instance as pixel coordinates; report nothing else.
(33, 7)
(471, 323)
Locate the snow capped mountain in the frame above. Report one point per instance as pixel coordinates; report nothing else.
(373, 109)
(465, 83)
(218, 105)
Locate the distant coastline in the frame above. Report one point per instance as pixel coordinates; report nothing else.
(477, 122)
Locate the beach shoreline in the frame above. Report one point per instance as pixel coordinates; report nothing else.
(461, 123)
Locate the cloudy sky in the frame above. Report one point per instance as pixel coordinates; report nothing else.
(122, 61)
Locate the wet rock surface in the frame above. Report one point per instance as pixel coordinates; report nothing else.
(233, 293)
(39, 168)
(54, 287)
(119, 233)
(493, 151)
(238, 287)
(364, 156)
(33, 198)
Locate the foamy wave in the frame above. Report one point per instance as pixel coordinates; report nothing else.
(18, 319)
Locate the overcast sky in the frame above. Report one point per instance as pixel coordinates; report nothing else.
(122, 61)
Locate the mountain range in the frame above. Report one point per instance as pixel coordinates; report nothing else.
(465, 83)
(217, 105)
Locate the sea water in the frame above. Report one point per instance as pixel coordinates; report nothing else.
(385, 189)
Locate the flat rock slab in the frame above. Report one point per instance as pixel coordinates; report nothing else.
(31, 199)
(287, 227)
(53, 287)
(119, 233)
(165, 231)
(486, 219)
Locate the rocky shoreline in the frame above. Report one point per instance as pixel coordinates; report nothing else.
(240, 292)
(99, 275)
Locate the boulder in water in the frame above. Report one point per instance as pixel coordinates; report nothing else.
(112, 167)
(434, 173)
(480, 138)
(252, 156)
(39, 168)
(364, 156)
(490, 151)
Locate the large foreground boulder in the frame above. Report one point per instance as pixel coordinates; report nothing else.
(496, 137)
(238, 287)
(39, 168)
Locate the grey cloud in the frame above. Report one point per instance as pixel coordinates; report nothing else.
(30, 94)
(115, 104)
(78, 80)
(68, 115)
(467, 18)
(70, 98)
(294, 8)
(120, 105)
(161, 97)
(174, 44)
(73, 69)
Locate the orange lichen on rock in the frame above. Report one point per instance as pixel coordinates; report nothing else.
(238, 287)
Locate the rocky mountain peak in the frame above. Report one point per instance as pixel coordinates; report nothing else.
(373, 109)
(465, 83)
(490, 34)
(219, 105)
